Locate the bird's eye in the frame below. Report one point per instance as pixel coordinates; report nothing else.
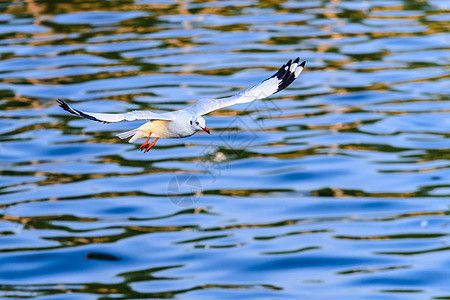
(196, 123)
(190, 122)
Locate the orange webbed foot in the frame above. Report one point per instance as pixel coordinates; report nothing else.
(144, 145)
(149, 146)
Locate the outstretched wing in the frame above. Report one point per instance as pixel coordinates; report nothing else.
(284, 77)
(112, 118)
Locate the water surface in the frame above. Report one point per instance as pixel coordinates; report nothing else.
(336, 187)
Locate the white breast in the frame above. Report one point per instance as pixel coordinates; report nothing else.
(179, 127)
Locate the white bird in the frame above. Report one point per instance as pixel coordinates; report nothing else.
(187, 121)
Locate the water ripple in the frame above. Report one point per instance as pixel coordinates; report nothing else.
(336, 187)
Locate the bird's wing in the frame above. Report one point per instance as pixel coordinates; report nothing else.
(284, 77)
(112, 118)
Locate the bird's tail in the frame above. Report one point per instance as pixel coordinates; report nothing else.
(127, 134)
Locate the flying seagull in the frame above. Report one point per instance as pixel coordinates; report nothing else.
(187, 121)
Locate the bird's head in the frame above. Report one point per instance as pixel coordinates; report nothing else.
(198, 123)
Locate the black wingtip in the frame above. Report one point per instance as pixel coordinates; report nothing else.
(64, 105)
(77, 112)
(285, 75)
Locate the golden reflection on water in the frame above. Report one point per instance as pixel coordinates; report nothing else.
(276, 208)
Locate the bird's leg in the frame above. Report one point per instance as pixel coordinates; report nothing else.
(149, 146)
(142, 147)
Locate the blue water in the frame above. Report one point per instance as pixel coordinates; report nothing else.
(335, 188)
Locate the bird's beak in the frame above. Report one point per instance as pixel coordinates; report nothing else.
(206, 130)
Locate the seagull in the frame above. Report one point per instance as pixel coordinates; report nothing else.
(187, 121)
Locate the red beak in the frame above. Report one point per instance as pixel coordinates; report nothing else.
(206, 130)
